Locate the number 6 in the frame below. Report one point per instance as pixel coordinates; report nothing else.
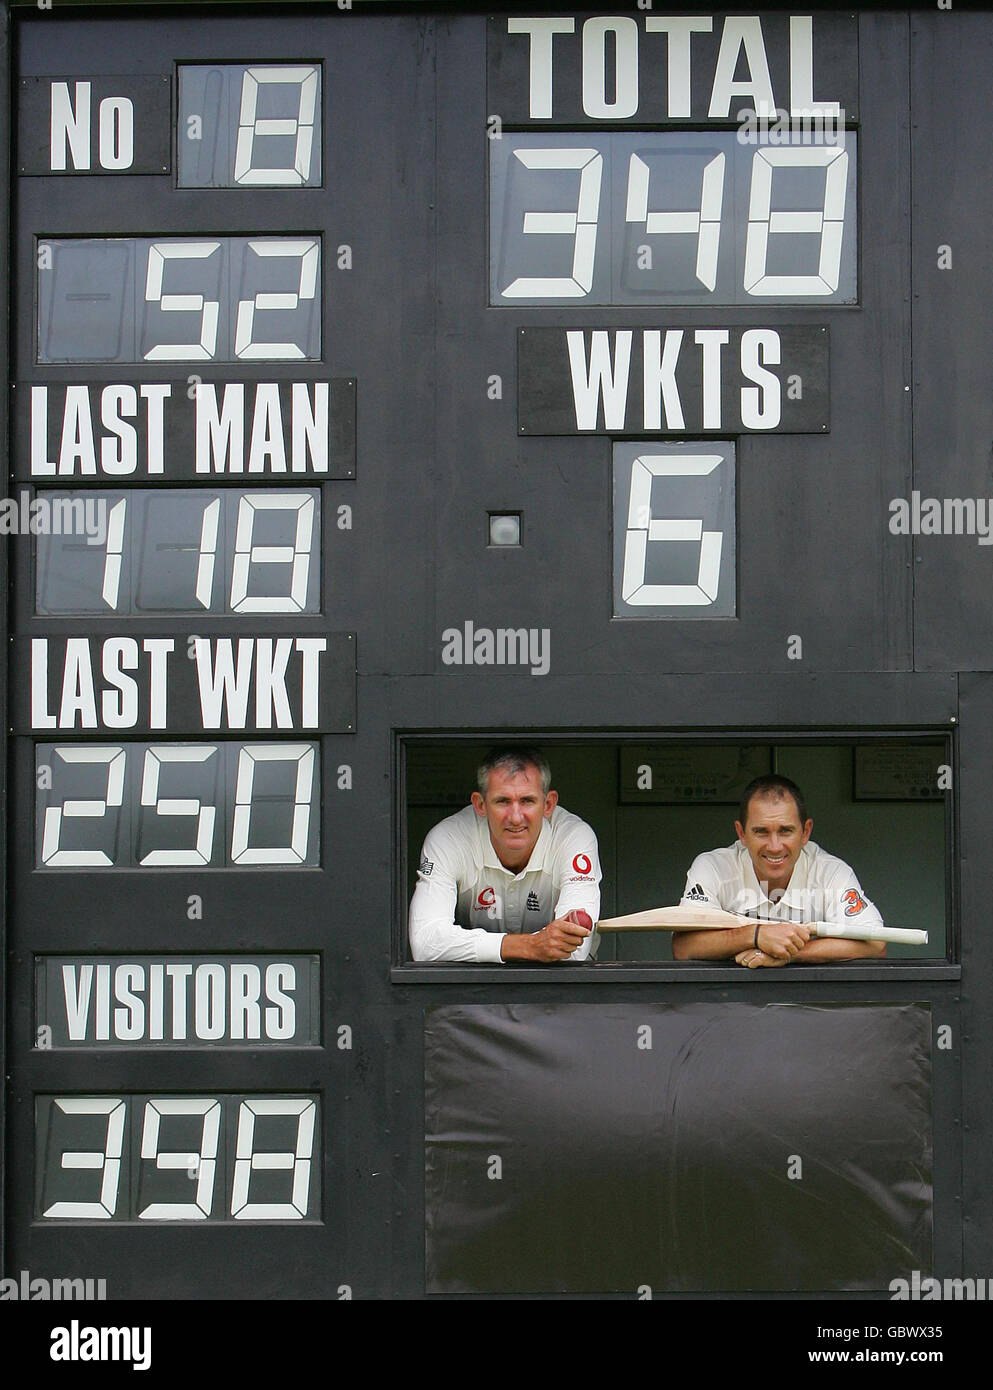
(643, 528)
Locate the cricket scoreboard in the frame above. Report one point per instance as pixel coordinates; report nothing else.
(384, 382)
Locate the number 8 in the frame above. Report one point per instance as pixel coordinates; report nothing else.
(251, 127)
(827, 222)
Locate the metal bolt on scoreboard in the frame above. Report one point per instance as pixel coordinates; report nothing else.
(386, 382)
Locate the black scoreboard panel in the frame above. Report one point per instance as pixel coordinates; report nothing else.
(722, 1114)
(386, 382)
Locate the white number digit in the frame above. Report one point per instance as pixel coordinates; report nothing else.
(298, 1161)
(249, 756)
(51, 855)
(155, 756)
(107, 1159)
(251, 127)
(115, 550)
(643, 528)
(297, 555)
(581, 225)
(827, 222)
(308, 253)
(208, 309)
(705, 225)
(206, 1161)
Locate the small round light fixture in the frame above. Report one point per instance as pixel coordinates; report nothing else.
(505, 528)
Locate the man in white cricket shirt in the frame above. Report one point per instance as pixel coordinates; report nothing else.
(513, 876)
(776, 874)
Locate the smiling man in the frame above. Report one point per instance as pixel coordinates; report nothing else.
(511, 877)
(776, 874)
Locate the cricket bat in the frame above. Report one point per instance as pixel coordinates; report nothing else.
(712, 919)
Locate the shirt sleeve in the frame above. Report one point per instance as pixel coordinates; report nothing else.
(844, 901)
(431, 926)
(703, 884)
(577, 882)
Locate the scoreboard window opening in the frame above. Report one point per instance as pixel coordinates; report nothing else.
(880, 802)
(195, 550)
(672, 217)
(176, 805)
(179, 299)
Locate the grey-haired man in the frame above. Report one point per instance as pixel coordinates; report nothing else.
(513, 876)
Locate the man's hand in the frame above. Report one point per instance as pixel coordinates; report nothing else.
(778, 944)
(555, 942)
(781, 940)
(753, 960)
(818, 950)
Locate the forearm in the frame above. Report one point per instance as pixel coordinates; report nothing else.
(435, 935)
(435, 941)
(823, 948)
(560, 940)
(720, 944)
(518, 946)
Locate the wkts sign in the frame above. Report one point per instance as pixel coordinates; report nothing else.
(672, 381)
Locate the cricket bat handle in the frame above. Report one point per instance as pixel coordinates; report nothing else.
(901, 936)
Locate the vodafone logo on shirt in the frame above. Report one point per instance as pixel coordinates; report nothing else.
(582, 864)
(486, 898)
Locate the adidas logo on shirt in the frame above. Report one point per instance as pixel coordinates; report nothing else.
(533, 905)
(696, 894)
